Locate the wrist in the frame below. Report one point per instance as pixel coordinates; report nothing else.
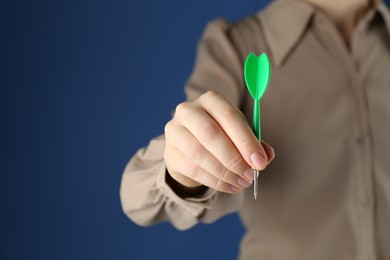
(184, 189)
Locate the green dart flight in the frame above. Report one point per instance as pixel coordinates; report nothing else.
(257, 73)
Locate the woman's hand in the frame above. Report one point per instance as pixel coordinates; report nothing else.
(209, 142)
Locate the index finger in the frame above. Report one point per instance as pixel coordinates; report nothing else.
(234, 124)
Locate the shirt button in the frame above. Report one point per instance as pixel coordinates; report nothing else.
(350, 84)
(360, 140)
(364, 201)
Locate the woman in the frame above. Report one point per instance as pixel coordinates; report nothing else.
(326, 112)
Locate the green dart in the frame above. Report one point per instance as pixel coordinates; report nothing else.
(257, 73)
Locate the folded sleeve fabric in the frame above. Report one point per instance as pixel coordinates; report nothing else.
(145, 195)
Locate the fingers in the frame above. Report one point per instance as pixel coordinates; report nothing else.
(190, 147)
(189, 169)
(234, 124)
(209, 142)
(269, 150)
(211, 136)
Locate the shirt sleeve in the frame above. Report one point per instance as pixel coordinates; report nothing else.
(145, 195)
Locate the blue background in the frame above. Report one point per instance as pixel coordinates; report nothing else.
(83, 85)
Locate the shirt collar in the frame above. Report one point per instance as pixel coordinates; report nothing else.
(384, 11)
(285, 21)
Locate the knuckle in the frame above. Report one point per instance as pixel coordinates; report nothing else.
(207, 130)
(235, 162)
(224, 174)
(219, 185)
(248, 143)
(168, 127)
(182, 108)
(224, 187)
(211, 95)
(169, 158)
(193, 150)
(230, 114)
(193, 171)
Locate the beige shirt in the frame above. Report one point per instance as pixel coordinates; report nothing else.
(327, 114)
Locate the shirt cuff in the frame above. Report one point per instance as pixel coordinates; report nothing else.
(195, 205)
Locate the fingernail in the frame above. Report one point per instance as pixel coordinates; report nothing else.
(258, 161)
(249, 174)
(234, 188)
(243, 183)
